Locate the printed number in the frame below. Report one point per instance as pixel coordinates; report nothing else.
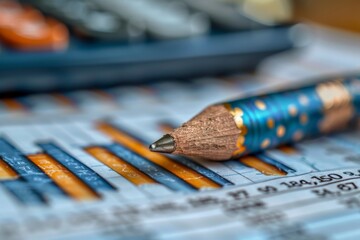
(325, 193)
(346, 187)
(239, 195)
(327, 178)
(267, 189)
(343, 187)
(299, 183)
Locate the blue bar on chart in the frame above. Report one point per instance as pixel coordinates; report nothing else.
(151, 169)
(23, 192)
(65, 179)
(86, 174)
(36, 178)
(203, 170)
(18, 188)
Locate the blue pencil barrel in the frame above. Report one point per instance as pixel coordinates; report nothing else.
(273, 119)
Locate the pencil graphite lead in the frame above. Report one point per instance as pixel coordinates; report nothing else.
(166, 144)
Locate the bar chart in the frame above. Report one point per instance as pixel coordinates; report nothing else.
(54, 169)
(63, 163)
(54, 173)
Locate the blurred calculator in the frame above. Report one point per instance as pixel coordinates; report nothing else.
(69, 44)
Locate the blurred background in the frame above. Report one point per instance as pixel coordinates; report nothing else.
(75, 44)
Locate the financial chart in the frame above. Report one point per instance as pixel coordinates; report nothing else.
(76, 164)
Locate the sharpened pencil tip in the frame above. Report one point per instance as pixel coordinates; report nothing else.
(166, 144)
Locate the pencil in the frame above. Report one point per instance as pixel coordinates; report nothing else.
(245, 126)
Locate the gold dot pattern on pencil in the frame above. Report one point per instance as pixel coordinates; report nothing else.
(304, 100)
(280, 131)
(292, 110)
(265, 143)
(260, 105)
(304, 119)
(270, 123)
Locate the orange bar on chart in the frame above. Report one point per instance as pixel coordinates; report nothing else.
(6, 172)
(188, 175)
(261, 166)
(70, 183)
(13, 104)
(118, 165)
